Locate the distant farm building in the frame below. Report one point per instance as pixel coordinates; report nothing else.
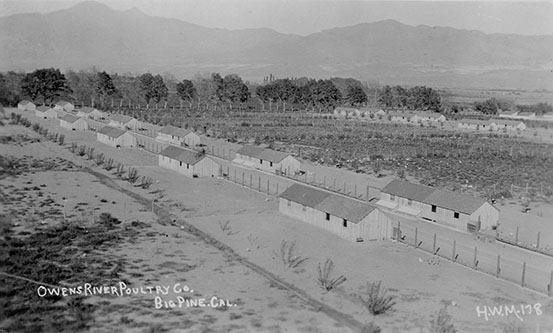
(507, 125)
(267, 160)
(348, 218)
(475, 124)
(91, 113)
(124, 122)
(179, 136)
(188, 162)
(507, 114)
(26, 106)
(427, 117)
(115, 137)
(64, 106)
(526, 115)
(400, 117)
(46, 112)
(342, 111)
(453, 209)
(72, 122)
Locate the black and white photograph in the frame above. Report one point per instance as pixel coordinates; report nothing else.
(276, 166)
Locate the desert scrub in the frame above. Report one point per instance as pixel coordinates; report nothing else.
(120, 170)
(81, 150)
(441, 322)
(108, 164)
(132, 175)
(100, 159)
(325, 279)
(61, 139)
(377, 300)
(73, 147)
(288, 257)
(90, 153)
(146, 182)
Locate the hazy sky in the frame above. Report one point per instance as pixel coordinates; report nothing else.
(309, 16)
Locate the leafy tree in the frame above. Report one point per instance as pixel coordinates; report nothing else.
(186, 90)
(153, 87)
(539, 108)
(355, 95)
(386, 97)
(82, 85)
(325, 94)
(10, 87)
(104, 86)
(234, 90)
(47, 83)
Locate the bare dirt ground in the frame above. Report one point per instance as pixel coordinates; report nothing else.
(249, 272)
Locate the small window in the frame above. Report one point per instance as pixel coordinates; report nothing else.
(433, 208)
(392, 197)
(345, 223)
(327, 216)
(180, 163)
(456, 215)
(260, 161)
(271, 163)
(409, 201)
(187, 166)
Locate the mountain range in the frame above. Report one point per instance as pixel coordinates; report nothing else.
(91, 34)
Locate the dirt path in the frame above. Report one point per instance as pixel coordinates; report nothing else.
(160, 211)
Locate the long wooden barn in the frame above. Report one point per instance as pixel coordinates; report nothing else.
(187, 162)
(346, 217)
(72, 122)
(460, 211)
(115, 137)
(267, 160)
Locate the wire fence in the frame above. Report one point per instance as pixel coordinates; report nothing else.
(523, 273)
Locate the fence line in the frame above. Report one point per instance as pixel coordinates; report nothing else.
(501, 267)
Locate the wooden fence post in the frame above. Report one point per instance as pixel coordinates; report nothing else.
(434, 245)
(538, 242)
(267, 186)
(251, 180)
(498, 269)
(523, 273)
(550, 286)
(259, 184)
(516, 237)
(277, 189)
(454, 248)
(242, 178)
(474, 262)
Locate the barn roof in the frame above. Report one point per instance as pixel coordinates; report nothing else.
(408, 190)
(251, 151)
(507, 122)
(475, 121)
(70, 118)
(111, 131)
(183, 155)
(304, 195)
(455, 201)
(62, 103)
(121, 118)
(429, 114)
(170, 130)
(86, 109)
(25, 102)
(351, 210)
(43, 108)
(508, 112)
(272, 155)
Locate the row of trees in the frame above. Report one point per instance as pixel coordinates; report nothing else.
(415, 98)
(493, 106)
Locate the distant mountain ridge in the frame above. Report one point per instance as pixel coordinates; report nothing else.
(92, 34)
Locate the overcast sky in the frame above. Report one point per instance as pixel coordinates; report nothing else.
(309, 16)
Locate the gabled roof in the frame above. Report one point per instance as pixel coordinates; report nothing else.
(62, 103)
(121, 118)
(475, 121)
(408, 190)
(526, 114)
(43, 108)
(507, 122)
(251, 151)
(351, 210)
(429, 114)
(175, 131)
(70, 118)
(25, 102)
(272, 155)
(304, 195)
(508, 112)
(400, 114)
(111, 131)
(86, 109)
(183, 155)
(455, 201)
